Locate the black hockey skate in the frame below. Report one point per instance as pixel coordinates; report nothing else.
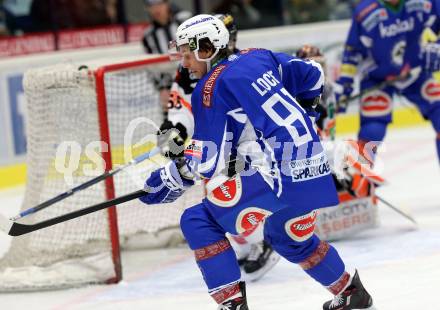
(353, 297)
(259, 261)
(239, 303)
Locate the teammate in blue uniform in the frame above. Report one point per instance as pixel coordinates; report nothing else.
(248, 107)
(385, 44)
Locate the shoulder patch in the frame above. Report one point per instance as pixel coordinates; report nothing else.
(208, 87)
(250, 49)
(194, 149)
(375, 18)
(418, 6)
(366, 10)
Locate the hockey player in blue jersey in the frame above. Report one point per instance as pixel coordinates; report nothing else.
(384, 46)
(248, 106)
(255, 256)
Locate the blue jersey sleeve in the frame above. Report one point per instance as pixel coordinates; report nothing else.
(303, 79)
(354, 51)
(434, 22)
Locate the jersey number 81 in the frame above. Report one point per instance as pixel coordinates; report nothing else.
(294, 123)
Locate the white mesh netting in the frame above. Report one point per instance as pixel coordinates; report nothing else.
(62, 132)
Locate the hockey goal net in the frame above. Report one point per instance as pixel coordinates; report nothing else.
(81, 121)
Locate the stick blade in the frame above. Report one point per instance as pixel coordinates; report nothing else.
(6, 225)
(18, 229)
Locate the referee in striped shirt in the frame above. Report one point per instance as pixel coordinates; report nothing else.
(165, 18)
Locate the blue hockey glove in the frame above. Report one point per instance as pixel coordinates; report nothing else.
(431, 56)
(343, 90)
(165, 185)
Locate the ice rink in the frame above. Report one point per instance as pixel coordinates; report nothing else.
(398, 262)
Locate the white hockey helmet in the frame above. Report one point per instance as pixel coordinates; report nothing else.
(199, 27)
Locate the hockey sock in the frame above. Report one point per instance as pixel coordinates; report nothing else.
(324, 264)
(218, 264)
(370, 136)
(226, 292)
(372, 131)
(340, 285)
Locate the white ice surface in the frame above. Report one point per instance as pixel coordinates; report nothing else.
(398, 263)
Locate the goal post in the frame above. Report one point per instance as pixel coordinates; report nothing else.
(82, 120)
(101, 100)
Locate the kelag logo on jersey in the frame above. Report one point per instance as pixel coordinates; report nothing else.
(248, 220)
(228, 193)
(400, 26)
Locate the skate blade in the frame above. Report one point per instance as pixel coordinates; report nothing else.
(370, 308)
(255, 276)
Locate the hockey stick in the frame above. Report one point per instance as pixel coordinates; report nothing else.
(17, 229)
(401, 212)
(14, 229)
(381, 85)
(377, 180)
(344, 102)
(85, 185)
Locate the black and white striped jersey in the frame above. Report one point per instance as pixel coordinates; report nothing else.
(157, 37)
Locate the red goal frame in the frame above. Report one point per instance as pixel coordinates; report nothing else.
(101, 99)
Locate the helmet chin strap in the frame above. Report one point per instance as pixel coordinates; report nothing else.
(208, 61)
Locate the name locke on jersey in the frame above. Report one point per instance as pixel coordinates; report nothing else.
(276, 107)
